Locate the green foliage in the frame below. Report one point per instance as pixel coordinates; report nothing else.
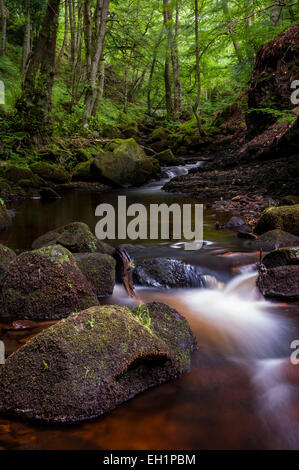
(143, 316)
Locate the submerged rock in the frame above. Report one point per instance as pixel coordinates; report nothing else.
(274, 239)
(6, 257)
(99, 270)
(5, 219)
(93, 361)
(165, 272)
(280, 283)
(45, 284)
(76, 237)
(284, 218)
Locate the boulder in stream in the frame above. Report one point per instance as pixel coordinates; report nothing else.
(280, 283)
(282, 257)
(99, 270)
(169, 273)
(285, 218)
(273, 239)
(93, 361)
(45, 284)
(76, 237)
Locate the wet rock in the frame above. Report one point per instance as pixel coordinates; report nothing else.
(93, 361)
(169, 273)
(87, 171)
(279, 283)
(285, 218)
(76, 237)
(6, 257)
(50, 172)
(99, 270)
(273, 239)
(45, 284)
(282, 257)
(5, 219)
(49, 194)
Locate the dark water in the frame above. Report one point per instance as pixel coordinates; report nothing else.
(242, 392)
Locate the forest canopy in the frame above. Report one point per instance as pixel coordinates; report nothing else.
(78, 66)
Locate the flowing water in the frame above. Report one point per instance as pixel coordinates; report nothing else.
(242, 391)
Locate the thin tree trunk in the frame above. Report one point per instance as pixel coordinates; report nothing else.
(152, 70)
(177, 88)
(231, 32)
(66, 35)
(27, 37)
(168, 90)
(35, 104)
(102, 8)
(198, 72)
(3, 11)
(100, 91)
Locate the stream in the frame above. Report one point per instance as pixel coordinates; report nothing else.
(242, 391)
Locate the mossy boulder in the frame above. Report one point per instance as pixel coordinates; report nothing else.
(273, 239)
(285, 218)
(124, 163)
(45, 284)
(99, 270)
(166, 158)
(87, 171)
(16, 174)
(82, 154)
(93, 361)
(160, 134)
(76, 237)
(51, 172)
(6, 257)
(5, 219)
(169, 273)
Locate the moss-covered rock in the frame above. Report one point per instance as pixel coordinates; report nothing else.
(82, 154)
(160, 134)
(6, 256)
(124, 163)
(87, 171)
(5, 219)
(16, 174)
(45, 284)
(166, 158)
(284, 218)
(99, 270)
(51, 172)
(76, 237)
(93, 361)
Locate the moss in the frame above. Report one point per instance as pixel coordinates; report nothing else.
(99, 270)
(159, 134)
(5, 219)
(166, 158)
(15, 174)
(6, 257)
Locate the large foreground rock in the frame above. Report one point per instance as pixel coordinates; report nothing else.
(285, 218)
(282, 257)
(169, 273)
(6, 256)
(281, 283)
(5, 219)
(45, 284)
(93, 361)
(99, 270)
(76, 237)
(124, 163)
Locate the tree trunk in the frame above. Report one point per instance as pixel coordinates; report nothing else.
(3, 12)
(35, 104)
(66, 35)
(198, 73)
(27, 38)
(168, 89)
(177, 88)
(100, 91)
(102, 9)
(231, 31)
